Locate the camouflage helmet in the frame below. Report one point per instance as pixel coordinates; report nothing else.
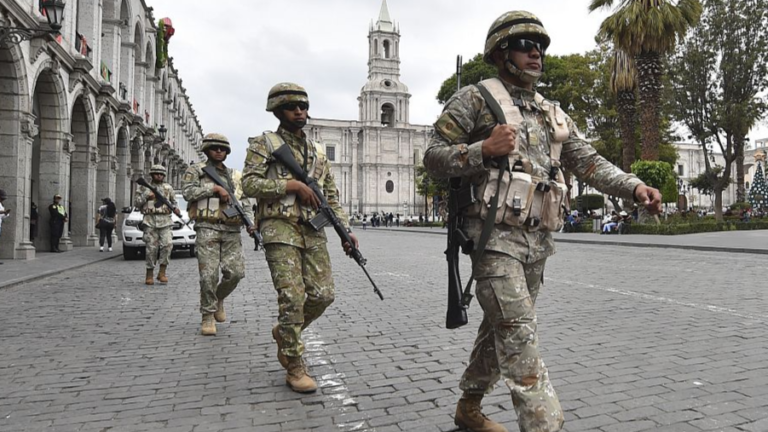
(511, 24)
(157, 169)
(284, 93)
(215, 139)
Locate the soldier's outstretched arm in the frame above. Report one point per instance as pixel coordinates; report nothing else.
(582, 159)
(192, 188)
(255, 182)
(450, 154)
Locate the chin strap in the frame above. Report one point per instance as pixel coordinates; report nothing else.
(527, 76)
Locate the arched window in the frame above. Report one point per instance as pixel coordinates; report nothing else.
(387, 115)
(386, 49)
(375, 47)
(390, 186)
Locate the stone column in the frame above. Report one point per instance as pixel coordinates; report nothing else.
(85, 161)
(61, 177)
(18, 166)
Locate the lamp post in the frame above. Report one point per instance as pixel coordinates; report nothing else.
(54, 13)
(163, 132)
(425, 186)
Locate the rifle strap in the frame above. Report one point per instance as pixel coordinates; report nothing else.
(490, 219)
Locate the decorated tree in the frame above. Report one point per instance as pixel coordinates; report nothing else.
(758, 192)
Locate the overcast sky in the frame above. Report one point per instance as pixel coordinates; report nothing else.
(230, 52)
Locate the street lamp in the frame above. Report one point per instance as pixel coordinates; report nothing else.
(54, 13)
(163, 132)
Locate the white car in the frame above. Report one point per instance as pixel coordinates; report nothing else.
(133, 238)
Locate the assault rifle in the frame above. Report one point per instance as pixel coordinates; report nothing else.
(326, 215)
(160, 199)
(459, 198)
(234, 209)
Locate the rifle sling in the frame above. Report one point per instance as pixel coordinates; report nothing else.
(490, 219)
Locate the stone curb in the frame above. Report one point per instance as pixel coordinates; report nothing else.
(43, 275)
(440, 231)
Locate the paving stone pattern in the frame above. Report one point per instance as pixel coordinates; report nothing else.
(635, 339)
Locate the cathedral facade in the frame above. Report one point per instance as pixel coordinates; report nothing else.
(374, 158)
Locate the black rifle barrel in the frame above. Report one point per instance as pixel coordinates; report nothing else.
(285, 157)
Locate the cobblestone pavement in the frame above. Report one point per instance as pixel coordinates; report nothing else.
(635, 339)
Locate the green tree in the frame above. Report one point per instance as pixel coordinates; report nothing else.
(659, 175)
(719, 74)
(624, 86)
(646, 30)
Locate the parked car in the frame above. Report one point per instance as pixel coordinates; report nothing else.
(133, 238)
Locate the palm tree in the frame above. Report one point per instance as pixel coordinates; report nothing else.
(624, 85)
(646, 30)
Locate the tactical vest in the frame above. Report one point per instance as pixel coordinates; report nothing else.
(289, 207)
(149, 207)
(211, 209)
(526, 200)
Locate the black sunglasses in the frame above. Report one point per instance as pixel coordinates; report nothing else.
(524, 45)
(293, 105)
(218, 148)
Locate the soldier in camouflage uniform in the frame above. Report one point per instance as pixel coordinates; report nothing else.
(297, 255)
(157, 224)
(538, 139)
(218, 241)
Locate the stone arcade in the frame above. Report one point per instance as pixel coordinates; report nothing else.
(80, 116)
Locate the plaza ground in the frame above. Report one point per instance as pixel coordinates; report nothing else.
(636, 339)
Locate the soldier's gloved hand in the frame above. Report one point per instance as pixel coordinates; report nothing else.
(251, 229)
(151, 196)
(501, 142)
(649, 197)
(177, 212)
(347, 248)
(223, 195)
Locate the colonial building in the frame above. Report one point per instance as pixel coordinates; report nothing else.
(690, 164)
(81, 114)
(374, 158)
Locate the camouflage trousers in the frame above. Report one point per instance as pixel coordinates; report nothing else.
(507, 343)
(218, 250)
(304, 284)
(158, 241)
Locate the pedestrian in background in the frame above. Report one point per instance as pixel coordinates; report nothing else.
(33, 218)
(106, 219)
(3, 212)
(58, 218)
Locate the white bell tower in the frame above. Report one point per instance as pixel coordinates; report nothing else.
(384, 99)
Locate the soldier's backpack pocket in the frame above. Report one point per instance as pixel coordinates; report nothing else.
(553, 209)
(518, 203)
(490, 192)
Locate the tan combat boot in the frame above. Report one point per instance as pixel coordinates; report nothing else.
(469, 415)
(279, 339)
(161, 277)
(150, 279)
(220, 315)
(297, 378)
(209, 327)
